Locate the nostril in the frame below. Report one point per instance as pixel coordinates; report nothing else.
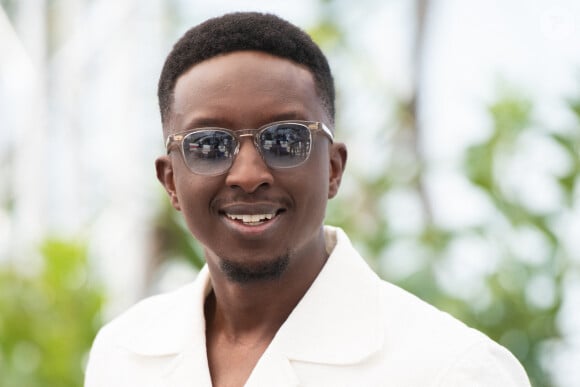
(248, 185)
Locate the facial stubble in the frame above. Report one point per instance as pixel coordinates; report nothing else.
(244, 273)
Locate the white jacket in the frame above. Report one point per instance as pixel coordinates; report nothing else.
(350, 329)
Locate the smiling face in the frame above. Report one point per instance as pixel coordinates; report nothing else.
(252, 218)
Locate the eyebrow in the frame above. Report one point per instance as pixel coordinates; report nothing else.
(204, 122)
(286, 116)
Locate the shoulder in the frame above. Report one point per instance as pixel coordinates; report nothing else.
(146, 312)
(442, 346)
(484, 364)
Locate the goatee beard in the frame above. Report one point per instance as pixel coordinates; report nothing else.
(244, 273)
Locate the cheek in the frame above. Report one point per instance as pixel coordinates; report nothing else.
(320, 169)
(314, 185)
(194, 194)
(193, 189)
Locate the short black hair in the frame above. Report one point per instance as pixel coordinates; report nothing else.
(241, 31)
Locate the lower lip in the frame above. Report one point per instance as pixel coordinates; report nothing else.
(252, 230)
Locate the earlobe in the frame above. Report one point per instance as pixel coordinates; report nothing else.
(338, 156)
(164, 169)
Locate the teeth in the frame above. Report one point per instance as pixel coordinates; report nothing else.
(251, 219)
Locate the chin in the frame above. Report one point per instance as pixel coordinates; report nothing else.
(249, 272)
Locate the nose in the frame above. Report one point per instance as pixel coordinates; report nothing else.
(248, 171)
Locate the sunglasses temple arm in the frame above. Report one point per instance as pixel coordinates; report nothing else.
(327, 131)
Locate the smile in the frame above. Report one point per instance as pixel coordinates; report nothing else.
(251, 219)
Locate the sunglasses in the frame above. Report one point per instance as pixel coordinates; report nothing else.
(211, 151)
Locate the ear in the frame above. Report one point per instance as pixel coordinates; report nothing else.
(338, 155)
(164, 168)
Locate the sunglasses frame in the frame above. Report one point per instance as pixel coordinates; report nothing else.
(313, 127)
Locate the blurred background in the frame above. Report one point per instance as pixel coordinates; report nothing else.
(463, 126)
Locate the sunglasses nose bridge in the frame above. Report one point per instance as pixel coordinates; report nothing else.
(252, 135)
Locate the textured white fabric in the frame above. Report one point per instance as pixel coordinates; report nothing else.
(350, 329)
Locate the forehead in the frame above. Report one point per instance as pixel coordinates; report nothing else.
(245, 88)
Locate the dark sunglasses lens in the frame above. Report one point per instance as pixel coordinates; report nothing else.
(285, 145)
(209, 152)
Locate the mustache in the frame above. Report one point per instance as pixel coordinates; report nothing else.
(250, 199)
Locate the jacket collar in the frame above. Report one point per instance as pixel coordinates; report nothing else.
(174, 335)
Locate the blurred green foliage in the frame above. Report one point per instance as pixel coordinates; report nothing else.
(48, 318)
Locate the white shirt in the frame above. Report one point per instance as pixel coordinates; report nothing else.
(350, 329)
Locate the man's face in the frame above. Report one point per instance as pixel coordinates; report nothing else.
(244, 90)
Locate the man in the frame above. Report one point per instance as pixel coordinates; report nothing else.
(247, 105)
